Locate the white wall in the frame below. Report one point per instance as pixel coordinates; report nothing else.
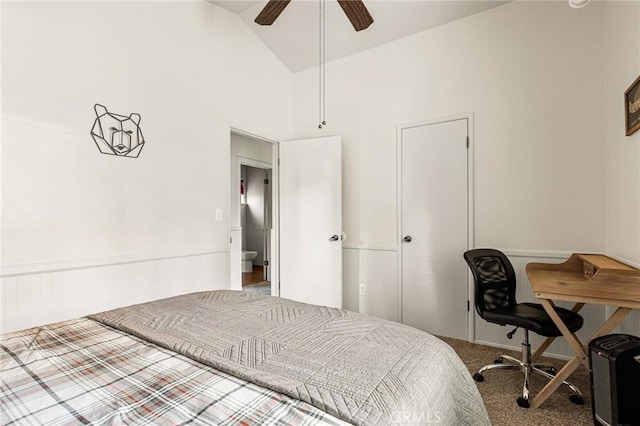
(622, 24)
(190, 69)
(622, 152)
(377, 269)
(533, 74)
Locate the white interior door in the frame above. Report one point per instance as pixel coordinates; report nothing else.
(434, 227)
(310, 181)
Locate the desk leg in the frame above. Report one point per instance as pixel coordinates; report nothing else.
(578, 348)
(555, 383)
(543, 347)
(549, 340)
(611, 323)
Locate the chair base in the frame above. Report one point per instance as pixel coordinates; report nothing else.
(507, 362)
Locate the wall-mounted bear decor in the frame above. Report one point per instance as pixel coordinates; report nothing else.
(116, 134)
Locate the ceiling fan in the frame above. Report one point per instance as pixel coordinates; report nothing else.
(355, 10)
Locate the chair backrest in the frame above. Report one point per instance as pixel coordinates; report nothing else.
(495, 279)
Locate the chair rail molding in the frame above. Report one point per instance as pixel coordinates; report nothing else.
(537, 254)
(369, 247)
(15, 270)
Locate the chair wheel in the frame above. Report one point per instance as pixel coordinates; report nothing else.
(498, 360)
(550, 370)
(478, 377)
(524, 403)
(576, 399)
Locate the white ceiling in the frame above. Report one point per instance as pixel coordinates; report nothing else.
(294, 37)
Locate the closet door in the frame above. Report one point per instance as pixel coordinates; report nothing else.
(434, 227)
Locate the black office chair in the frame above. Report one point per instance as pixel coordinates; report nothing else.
(495, 294)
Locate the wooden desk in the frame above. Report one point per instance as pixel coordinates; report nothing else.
(583, 278)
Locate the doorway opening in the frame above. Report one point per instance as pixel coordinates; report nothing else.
(255, 222)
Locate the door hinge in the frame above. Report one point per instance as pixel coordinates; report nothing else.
(468, 306)
(278, 161)
(230, 240)
(266, 181)
(266, 263)
(467, 141)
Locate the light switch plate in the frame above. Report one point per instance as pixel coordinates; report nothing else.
(219, 215)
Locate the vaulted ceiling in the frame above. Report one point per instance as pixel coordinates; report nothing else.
(294, 37)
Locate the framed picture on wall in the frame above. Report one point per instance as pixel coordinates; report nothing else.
(632, 108)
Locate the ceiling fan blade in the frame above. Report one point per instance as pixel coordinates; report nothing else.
(271, 11)
(357, 13)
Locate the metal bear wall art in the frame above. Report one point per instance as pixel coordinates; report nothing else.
(116, 134)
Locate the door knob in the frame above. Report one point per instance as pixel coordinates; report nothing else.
(407, 239)
(334, 238)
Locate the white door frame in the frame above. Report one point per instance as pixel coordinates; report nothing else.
(275, 222)
(470, 216)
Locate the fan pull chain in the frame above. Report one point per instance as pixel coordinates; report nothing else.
(324, 62)
(321, 67)
(320, 64)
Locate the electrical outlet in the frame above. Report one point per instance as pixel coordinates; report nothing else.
(363, 290)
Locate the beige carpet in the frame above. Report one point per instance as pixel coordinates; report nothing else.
(501, 388)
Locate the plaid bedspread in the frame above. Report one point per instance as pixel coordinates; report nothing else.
(81, 372)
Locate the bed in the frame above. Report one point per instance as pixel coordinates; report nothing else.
(236, 358)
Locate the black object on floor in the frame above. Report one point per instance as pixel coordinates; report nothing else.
(615, 380)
